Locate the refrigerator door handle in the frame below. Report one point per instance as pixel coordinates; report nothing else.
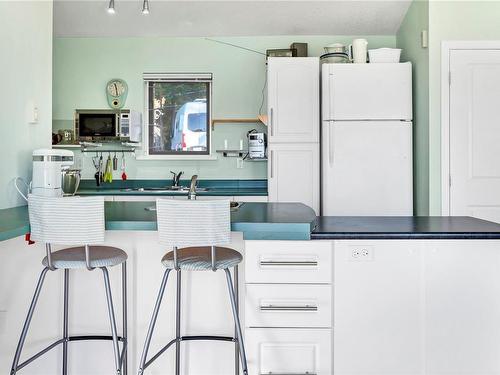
(271, 161)
(271, 120)
(330, 143)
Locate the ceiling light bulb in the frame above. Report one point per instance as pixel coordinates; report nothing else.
(145, 7)
(111, 7)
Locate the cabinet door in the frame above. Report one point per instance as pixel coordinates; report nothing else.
(289, 351)
(293, 173)
(379, 309)
(293, 99)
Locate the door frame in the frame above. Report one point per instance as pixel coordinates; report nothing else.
(446, 48)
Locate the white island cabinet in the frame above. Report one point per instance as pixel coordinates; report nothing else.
(288, 307)
(416, 307)
(341, 307)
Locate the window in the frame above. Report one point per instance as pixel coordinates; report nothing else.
(178, 113)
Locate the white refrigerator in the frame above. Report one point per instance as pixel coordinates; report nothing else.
(366, 140)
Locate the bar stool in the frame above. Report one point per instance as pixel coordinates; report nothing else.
(194, 230)
(74, 221)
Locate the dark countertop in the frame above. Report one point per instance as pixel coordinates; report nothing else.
(404, 227)
(14, 222)
(257, 221)
(287, 221)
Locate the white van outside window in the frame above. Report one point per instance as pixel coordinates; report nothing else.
(178, 114)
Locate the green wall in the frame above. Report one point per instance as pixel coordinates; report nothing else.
(451, 20)
(408, 39)
(82, 66)
(25, 76)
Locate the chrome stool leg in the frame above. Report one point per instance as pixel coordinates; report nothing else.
(112, 320)
(124, 319)
(178, 325)
(234, 307)
(236, 345)
(151, 328)
(65, 323)
(27, 322)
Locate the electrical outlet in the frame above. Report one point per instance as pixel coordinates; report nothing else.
(361, 253)
(355, 253)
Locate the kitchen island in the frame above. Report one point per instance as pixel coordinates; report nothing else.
(411, 295)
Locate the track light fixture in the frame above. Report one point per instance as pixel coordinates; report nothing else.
(111, 7)
(145, 7)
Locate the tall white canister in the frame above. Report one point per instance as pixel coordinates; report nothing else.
(359, 48)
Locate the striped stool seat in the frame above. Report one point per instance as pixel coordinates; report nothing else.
(74, 257)
(198, 258)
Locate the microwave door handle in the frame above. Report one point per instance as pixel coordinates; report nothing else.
(117, 122)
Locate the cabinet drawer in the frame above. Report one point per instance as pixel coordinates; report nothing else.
(289, 351)
(288, 305)
(288, 262)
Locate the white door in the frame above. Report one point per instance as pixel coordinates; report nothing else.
(293, 173)
(367, 168)
(475, 133)
(367, 91)
(293, 99)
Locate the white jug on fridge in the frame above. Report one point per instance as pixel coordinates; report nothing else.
(359, 48)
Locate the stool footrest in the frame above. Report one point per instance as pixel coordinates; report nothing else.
(94, 337)
(71, 338)
(187, 338)
(212, 338)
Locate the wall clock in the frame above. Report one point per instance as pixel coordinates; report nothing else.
(116, 92)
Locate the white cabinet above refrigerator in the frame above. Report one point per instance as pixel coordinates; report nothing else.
(293, 99)
(367, 92)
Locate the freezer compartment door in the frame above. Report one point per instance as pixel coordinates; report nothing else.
(367, 168)
(367, 91)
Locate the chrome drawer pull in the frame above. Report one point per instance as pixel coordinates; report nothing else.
(288, 373)
(288, 308)
(308, 263)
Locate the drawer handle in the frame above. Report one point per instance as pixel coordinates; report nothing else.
(288, 373)
(307, 263)
(288, 308)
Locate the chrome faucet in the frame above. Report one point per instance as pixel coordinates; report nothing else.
(192, 187)
(176, 178)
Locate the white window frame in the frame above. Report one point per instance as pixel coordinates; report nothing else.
(175, 77)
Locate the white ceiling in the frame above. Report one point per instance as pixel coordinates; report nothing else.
(85, 18)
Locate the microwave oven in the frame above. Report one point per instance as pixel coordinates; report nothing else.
(108, 125)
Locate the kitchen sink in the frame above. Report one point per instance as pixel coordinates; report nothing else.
(168, 189)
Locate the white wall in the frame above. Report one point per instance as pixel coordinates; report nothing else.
(408, 39)
(25, 76)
